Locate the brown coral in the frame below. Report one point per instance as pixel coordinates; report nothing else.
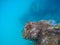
(39, 31)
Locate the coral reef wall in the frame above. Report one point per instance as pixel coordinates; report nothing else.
(42, 9)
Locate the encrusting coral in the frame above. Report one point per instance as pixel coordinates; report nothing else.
(44, 32)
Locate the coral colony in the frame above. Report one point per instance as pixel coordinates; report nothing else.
(44, 32)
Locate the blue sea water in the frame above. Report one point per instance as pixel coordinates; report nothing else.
(15, 13)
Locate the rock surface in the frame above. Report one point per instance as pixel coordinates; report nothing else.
(43, 32)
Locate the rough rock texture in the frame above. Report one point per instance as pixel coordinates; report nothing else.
(43, 33)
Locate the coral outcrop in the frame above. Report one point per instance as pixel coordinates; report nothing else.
(44, 32)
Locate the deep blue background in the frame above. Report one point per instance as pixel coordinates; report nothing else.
(15, 13)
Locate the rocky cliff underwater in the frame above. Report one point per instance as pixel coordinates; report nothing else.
(44, 32)
(42, 10)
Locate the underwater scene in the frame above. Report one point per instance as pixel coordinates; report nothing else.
(43, 15)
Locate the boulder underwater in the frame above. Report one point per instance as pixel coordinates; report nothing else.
(43, 32)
